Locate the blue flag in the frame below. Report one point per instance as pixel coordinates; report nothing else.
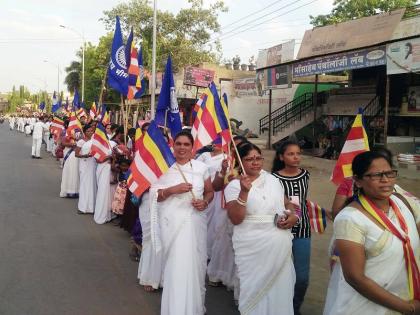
(55, 104)
(168, 104)
(128, 50)
(117, 70)
(76, 101)
(41, 105)
(140, 92)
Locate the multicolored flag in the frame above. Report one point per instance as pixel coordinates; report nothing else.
(137, 137)
(140, 84)
(74, 124)
(133, 74)
(81, 112)
(317, 217)
(152, 159)
(105, 116)
(57, 126)
(167, 111)
(117, 69)
(93, 111)
(356, 143)
(101, 147)
(211, 122)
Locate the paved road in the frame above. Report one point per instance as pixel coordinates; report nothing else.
(53, 261)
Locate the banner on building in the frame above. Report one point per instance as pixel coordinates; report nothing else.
(245, 87)
(276, 55)
(198, 76)
(403, 56)
(274, 78)
(364, 58)
(353, 34)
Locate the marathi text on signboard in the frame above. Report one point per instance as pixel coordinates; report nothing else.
(403, 56)
(198, 76)
(245, 87)
(364, 58)
(276, 55)
(353, 34)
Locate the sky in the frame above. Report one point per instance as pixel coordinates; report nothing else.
(34, 49)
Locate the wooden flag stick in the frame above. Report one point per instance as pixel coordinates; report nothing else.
(101, 94)
(239, 159)
(184, 178)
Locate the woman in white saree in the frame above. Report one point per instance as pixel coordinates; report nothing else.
(87, 169)
(373, 277)
(262, 242)
(178, 201)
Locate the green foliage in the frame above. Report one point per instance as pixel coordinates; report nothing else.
(73, 78)
(345, 10)
(185, 35)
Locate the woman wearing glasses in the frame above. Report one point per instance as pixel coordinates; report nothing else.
(262, 240)
(378, 243)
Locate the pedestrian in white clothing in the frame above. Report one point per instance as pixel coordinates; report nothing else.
(37, 134)
(47, 135)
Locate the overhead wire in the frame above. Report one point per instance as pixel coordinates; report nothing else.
(246, 29)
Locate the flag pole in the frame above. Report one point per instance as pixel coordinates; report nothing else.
(101, 94)
(123, 118)
(152, 91)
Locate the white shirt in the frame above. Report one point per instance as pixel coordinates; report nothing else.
(38, 130)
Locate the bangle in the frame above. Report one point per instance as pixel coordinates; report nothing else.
(241, 202)
(161, 194)
(413, 308)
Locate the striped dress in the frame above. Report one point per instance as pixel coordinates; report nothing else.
(298, 186)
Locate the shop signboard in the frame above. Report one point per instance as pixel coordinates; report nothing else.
(198, 76)
(403, 56)
(245, 87)
(364, 58)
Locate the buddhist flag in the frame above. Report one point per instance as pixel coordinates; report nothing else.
(152, 159)
(74, 124)
(134, 84)
(137, 137)
(100, 144)
(356, 143)
(93, 111)
(57, 126)
(317, 217)
(211, 121)
(105, 117)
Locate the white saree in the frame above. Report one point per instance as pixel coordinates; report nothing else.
(214, 212)
(70, 174)
(87, 171)
(180, 232)
(150, 265)
(385, 262)
(263, 252)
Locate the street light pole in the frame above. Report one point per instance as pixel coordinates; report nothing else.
(152, 92)
(83, 57)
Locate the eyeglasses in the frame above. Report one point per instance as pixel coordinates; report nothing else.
(253, 159)
(380, 175)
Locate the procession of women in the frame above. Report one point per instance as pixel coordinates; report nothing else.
(216, 218)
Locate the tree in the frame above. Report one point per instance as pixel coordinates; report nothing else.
(345, 10)
(73, 77)
(185, 36)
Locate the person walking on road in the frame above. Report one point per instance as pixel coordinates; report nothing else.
(37, 135)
